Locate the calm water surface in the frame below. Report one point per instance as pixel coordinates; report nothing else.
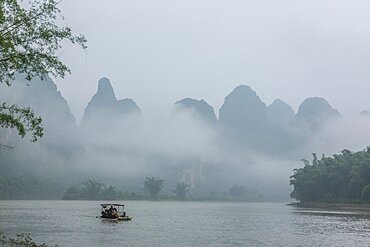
(73, 223)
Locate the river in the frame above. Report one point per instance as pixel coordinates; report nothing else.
(74, 223)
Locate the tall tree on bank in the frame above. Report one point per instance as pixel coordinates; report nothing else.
(29, 43)
(181, 190)
(153, 185)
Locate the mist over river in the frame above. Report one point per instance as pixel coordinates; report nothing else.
(74, 223)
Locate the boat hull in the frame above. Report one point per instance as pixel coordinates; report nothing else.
(121, 218)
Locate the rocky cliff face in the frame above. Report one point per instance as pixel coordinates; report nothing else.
(280, 113)
(198, 108)
(60, 143)
(104, 105)
(46, 101)
(243, 109)
(314, 112)
(244, 120)
(41, 95)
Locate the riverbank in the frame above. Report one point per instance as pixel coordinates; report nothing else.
(333, 206)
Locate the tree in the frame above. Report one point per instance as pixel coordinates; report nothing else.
(153, 185)
(29, 43)
(181, 190)
(23, 119)
(92, 190)
(341, 178)
(237, 190)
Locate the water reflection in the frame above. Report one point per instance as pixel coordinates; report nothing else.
(344, 228)
(346, 214)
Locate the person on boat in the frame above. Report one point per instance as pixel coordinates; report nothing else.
(107, 213)
(114, 214)
(111, 212)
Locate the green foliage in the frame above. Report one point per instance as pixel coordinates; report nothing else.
(340, 178)
(365, 193)
(23, 119)
(30, 39)
(153, 185)
(94, 190)
(23, 239)
(181, 190)
(20, 188)
(29, 43)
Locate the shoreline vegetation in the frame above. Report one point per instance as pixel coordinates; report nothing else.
(340, 182)
(37, 188)
(340, 179)
(22, 239)
(94, 190)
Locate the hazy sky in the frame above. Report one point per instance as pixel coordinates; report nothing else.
(158, 52)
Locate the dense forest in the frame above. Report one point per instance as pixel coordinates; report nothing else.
(25, 188)
(345, 177)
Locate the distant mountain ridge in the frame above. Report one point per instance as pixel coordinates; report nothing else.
(280, 113)
(243, 118)
(199, 108)
(45, 100)
(105, 104)
(61, 140)
(243, 107)
(314, 112)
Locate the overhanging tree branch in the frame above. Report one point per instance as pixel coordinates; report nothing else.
(29, 44)
(22, 119)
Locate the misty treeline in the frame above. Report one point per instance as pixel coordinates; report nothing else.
(27, 187)
(95, 190)
(344, 177)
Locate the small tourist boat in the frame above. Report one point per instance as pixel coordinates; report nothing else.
(114, 212)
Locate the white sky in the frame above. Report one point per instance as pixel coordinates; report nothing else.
(158, 52)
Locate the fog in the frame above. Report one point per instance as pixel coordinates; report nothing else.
(159, 52)
(182, 147)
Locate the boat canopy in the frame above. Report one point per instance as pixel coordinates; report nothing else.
(104, 205)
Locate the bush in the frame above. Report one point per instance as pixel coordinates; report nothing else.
(23, 239)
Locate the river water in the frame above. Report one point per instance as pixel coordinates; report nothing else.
(73, 223)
